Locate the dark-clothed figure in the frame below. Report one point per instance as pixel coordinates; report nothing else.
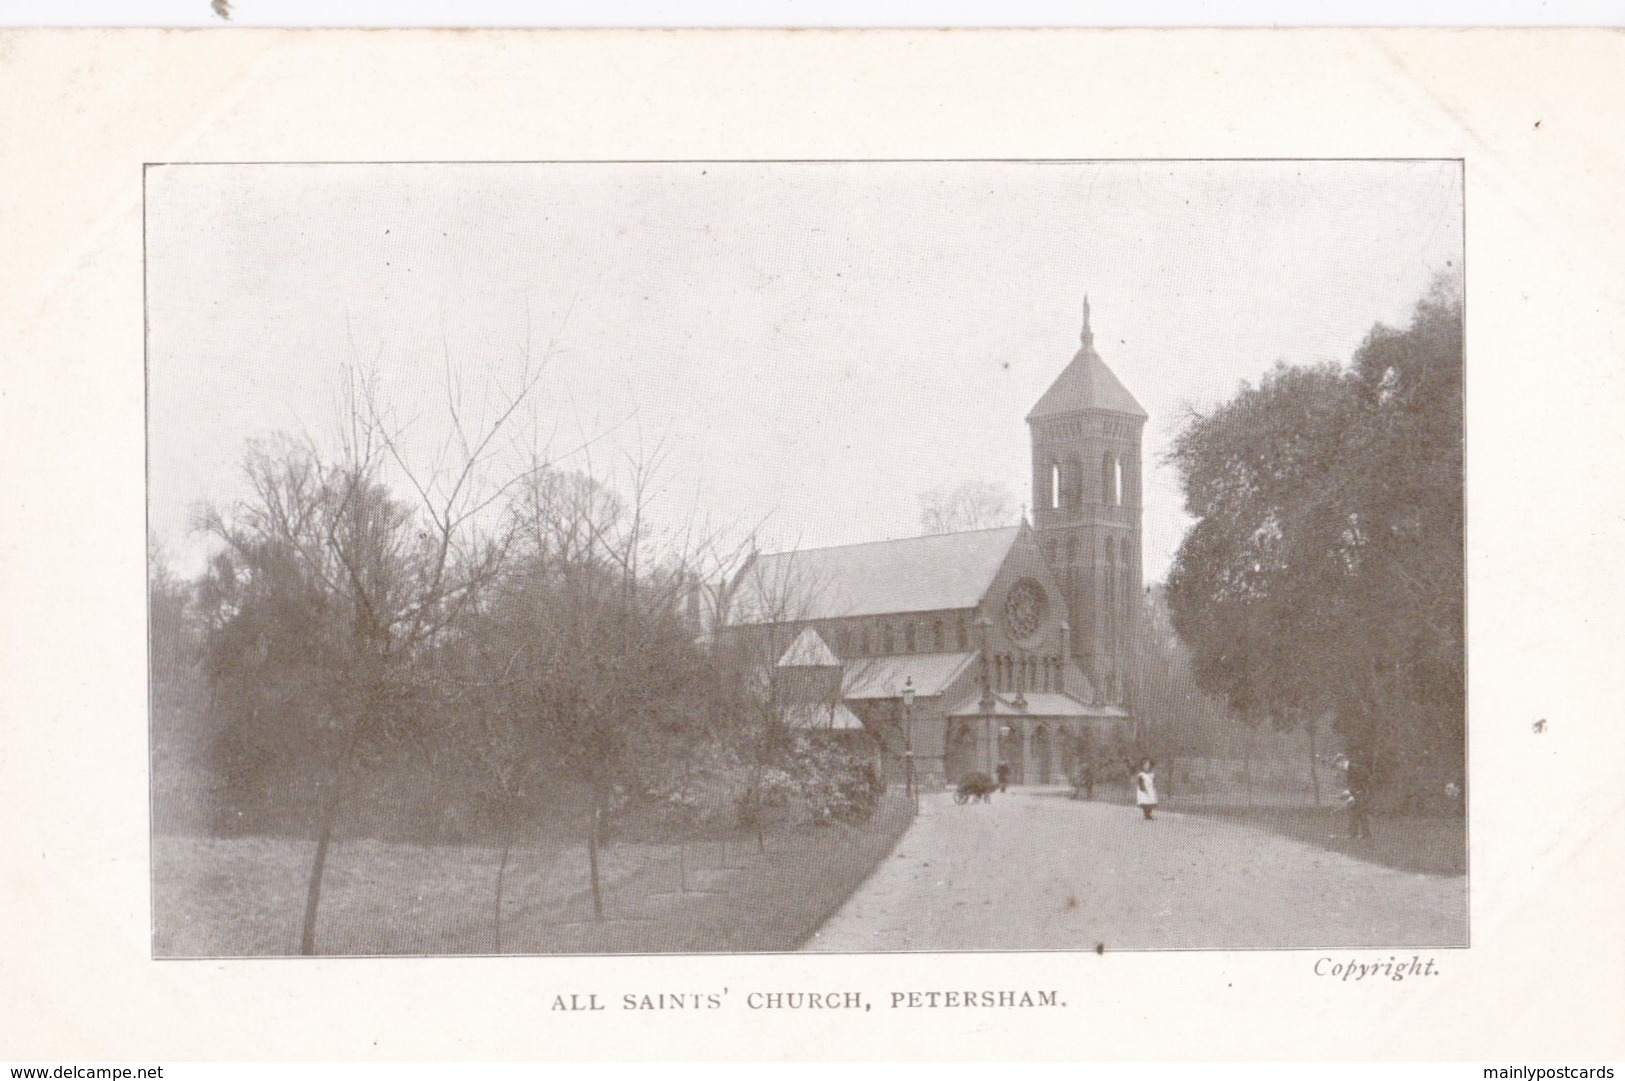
(1004, 775)
(1359, 795)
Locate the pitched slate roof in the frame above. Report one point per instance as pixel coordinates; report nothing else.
(919, 574)
(883, 677)
(1086, 383)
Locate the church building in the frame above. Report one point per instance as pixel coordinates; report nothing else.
(960, 651)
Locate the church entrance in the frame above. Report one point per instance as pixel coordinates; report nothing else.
(961, 755)
(1010, 752)
(1041, 756)
(1069, 751)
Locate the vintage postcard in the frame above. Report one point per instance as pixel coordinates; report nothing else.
(815, 545)
(718, 556)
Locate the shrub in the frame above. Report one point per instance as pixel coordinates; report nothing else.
(818, 780)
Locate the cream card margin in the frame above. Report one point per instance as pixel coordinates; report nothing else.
(81, 111)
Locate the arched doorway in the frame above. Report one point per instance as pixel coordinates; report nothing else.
(1069, 750)
(961, 753)
(1041, 755)
(1010, 751)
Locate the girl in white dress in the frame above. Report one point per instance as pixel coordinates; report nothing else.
(1145, 787)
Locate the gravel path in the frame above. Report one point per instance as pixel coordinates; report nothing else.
(1034, 870)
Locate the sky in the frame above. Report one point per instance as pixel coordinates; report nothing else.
(810, 345)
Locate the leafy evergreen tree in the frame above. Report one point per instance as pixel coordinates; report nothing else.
(1325, 567)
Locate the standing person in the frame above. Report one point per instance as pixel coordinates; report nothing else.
(1359, 795)
(1145, 787)
(1004, 775)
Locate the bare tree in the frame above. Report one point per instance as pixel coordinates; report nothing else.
(375, 582)
(771, 600)
(592, 622)
(971, 504)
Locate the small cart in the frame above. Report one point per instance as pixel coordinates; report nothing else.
(975, 787)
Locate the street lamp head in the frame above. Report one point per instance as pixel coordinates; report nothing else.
(907, 692)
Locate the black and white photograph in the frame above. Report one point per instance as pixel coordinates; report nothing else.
(847, 556)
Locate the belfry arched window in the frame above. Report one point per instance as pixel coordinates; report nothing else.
(1055, 486)
(1111, 479)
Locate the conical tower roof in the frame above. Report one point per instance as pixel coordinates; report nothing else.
(1086, 384)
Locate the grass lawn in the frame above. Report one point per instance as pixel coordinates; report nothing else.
(217, 897)
(1429, 845)
(1425, 844)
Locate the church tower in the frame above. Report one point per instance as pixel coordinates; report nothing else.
(1086, 432)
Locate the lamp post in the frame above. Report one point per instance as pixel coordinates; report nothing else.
(907, 695)
(989, 704)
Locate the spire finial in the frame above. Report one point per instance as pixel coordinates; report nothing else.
(1088, 335)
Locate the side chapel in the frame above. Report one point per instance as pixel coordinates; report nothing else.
(980, 647)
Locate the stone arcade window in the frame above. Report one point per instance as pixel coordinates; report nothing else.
(1111, 589)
